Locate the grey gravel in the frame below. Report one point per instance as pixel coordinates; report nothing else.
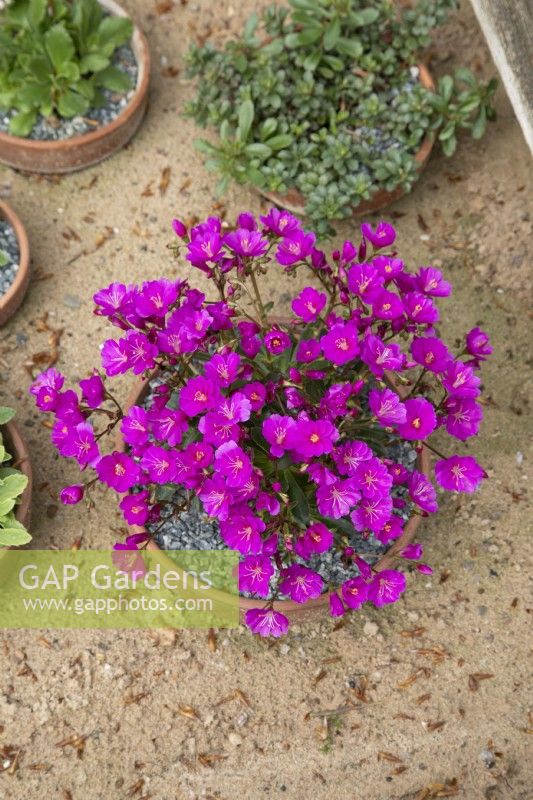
(56, 128)
(194, 530)
(10, 248)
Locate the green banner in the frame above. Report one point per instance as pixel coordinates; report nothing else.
(118, 589)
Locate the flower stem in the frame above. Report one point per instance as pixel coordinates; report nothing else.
(261, 308)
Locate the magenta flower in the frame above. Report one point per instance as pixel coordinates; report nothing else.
(242, 532)
(320, 474)
(168, 425)
(388, 267)
(413, 552)
(421, 419)
(380, 356)
(198, 395)
(460, 380)
(387, 407)
(278, 430)
(365, 281)
(246, 243)
(424, 569)
(372, 513)
(420, 308)
(280, 222)
(256, 394)
(348, 456)
(156, 297)
(336, 499)
(301, 583)
(354, 592)
(93, 391)
(336, 607)
(217, 429)
(400, 474)
(254, 575)
(223, 369)
(430, 281)
(266, 622)
(308, 350)
(50, 379)
(160, 464)
(431, 353)
(114, 300)
(373, 478)
(459, 474)
(386, 587)
(340, 344)
(392, 529)
(115, 357)
(477, 344)
(296, 246)
(135, 508)
(309, 304)
(216, 497)
(383, 236)
(141, 352)
(422, 492)
(233, 464)
(311, 438)
(118, 471)
(179, 228)
(276, 341)
(463, 417)
(386, 305)
(71, 495)
(234, 409)
(316, 539)
(134, 426)
(198, 455)
(205, 249)
(79, 442)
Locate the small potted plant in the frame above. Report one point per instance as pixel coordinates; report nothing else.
(15, 483)
(302, 443)
(14, 262)
(73, 82)
(326, 109)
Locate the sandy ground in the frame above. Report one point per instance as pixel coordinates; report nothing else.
(386, 706)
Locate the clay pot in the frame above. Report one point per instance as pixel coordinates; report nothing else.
(20, 458)
(78, 152)
(297, 611)
(294, 202)
(11, 300)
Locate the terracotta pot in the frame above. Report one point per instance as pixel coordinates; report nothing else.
(11, 300)
(78, 152)
(20, 458)
(296, 611)
(294, 201)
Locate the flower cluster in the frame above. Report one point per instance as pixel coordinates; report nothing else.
(281, 431)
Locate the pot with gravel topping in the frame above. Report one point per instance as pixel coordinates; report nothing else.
(84, 99)
(14, 262)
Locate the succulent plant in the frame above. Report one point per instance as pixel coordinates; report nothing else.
(56, 57)
(12, 485)
(326, 98)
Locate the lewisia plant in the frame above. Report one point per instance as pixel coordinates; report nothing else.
(281, 432)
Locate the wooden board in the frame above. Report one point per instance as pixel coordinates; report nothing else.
(508, 29)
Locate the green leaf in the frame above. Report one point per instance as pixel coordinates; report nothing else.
(259, 150)
(332, 33)
(466, 76)
(479, 126)
(70, 104)
(246, 117)
(279, 142)
(268, 127)
(34, 94)
(449, 146)
(112, 32)
(305, 37)
(21, 124)
(13, 486)
(446, 88)
(36, 11)
(6, 506)
(114, 79)
(94, 62)
(368, 15)
(59, 46)
(298, 499)
(350, 47)
(6, 414)
(13, 537)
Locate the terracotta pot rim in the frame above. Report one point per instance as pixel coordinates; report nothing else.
(18, 450)
(139, 45)
(11, 300)
(296, 610)
(294, 201)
